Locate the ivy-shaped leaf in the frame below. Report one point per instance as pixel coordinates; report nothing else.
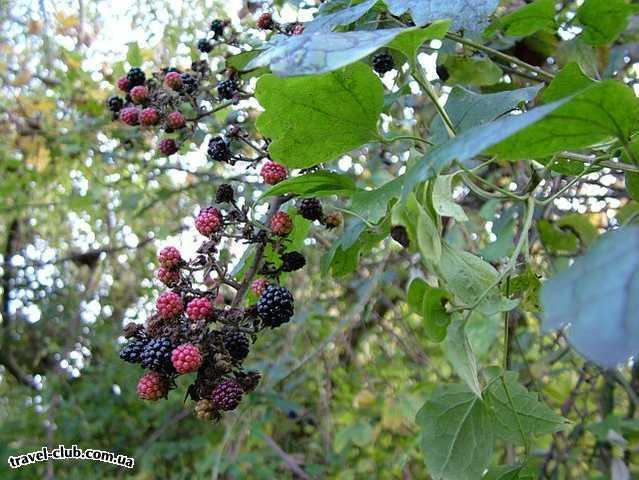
(518, 413)
(598, 303)
(458, 434)
(316, 119)
(469, 15)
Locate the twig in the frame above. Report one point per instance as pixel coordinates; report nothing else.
(288, 460)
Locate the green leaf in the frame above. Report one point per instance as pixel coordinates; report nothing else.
(321, 52)
(468, 276)
(468, 109)
(472, 142)
(603, 20)
(477, 70)
(518, 413)
(471, 15)
(316, 119)
(460, 354)
(458, 434)
(632, 184)
(436, 318)
(317, 184)
(526, 286)
(591, 294)
(415, 295)
(606, 110)
(528, 19)
(359, 434)
(569, 80)
(443, 202)
(373, 204)
(427, 234)
(134, 55)
(326, 23)
(410, 42)
(527, 471)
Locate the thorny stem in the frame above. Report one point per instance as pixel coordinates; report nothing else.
(275, 205)
(500, 55)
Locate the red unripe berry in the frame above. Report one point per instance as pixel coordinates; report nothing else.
(168, 276)
(186, 358)
(130, 115)
(152, 386)
(169, 305)
(209, 221)
(123, 84)
(281, 224)
(149, 116)
(265, 21)
(259, 286)
(139, 94)
(173, 80)
(273, 173)
(167, 146)
(169, 257)
(175, 120)
(199, 308)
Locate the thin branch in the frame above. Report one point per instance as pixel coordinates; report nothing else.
(288, 460)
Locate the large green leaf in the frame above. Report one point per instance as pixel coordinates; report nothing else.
(468, 109)
(320, 52)
(603, 20)
(518, 413)
(320, 183)
(466, 14)
(528, 19)
(570, 80)
(598, 302)
(460, 354)
(605, 110)
(316, 119)
(472, 142)
(457, 434)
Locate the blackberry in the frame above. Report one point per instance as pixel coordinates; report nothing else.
(292, 261)
(217, 27)
(227, 89)
(227, 395)
(275, 306)
(236, 343)
(115, 104)
(310, 209)
(204, 46)
(189, 83)
(135, 77)
(219, 149)
(382, 63)
(400, 235)
(442, 73)
(224, 193)
(132, 352)
(157, 355)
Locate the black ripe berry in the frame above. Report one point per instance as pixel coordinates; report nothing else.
(115, 104)
(224, 193)
(218, 149)
(442, 73)
(310, 209)
(292, 261)
(275, 306)
(217, 27)
(189, 83)
(382, 63)
(135, 77)
(227, 89)
(157, 355)
(236, 343)
(204, 46)
(132, 352)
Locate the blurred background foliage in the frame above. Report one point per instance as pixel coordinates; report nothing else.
(84, 208)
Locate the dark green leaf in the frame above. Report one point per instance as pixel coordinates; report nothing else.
(528, 19)
(316, 119)
(476, 70)
(436, 318)
(603, 20)
(567, 82)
